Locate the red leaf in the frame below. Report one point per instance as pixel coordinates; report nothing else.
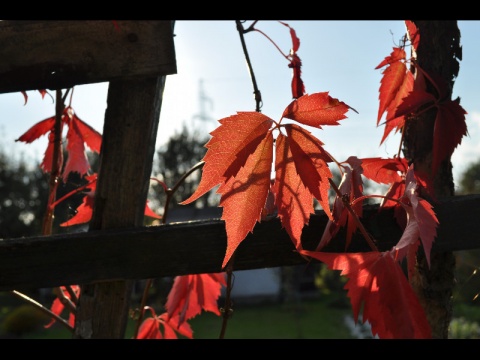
(244, 196)
(351, 184)
(385, 171)
(377, 282)
(413, 34)
(292, 198)
(450, 128)
(192, 294)
(316, 109)
(413, 102)
(421, 220)
(392, 121)
(229, 148)
(392, 81)
(298, 87)
(311, 163)
(78, 134)
(39, 129)
(58, 307)
(151, 327)
(396, 55)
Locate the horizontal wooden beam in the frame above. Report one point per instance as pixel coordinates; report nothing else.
(59, 54)
(196, 247)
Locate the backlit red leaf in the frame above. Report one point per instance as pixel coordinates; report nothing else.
(396, 55)
(151, 327)
(298, 87)
(311, 163)
(58, 306)
(385, 171)
(293, 200)
(391, 83)
(192, 294)
(450, 127)
(413, 34)
(79, 133)
(392, 121)
(229, 148)
(377, 284)
(421, 220)
(413, 102)
(316, 109)
(243, 197)
(352, 186)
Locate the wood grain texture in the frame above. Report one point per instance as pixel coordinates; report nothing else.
(59, 54)
(199, 246)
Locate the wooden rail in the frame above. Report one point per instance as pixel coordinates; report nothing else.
(199, 246)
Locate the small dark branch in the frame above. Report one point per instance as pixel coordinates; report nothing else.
(142, 307)
(56, 164)
(256, 91)
(73, 296)
(227, 310)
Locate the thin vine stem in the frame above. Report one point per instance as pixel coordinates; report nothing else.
(227, 310)
(43, 308)
(56, 163)
(256, 91)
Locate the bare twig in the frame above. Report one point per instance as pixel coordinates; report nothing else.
(256, 91)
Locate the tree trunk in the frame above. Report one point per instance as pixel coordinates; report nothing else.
(437, 53)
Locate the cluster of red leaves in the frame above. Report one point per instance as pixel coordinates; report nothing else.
(403, 95)
(190, 294)
(79, 133)
(240, 157)
(241, 153)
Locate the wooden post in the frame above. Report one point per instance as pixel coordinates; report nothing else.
(128, 147)
(437, 53)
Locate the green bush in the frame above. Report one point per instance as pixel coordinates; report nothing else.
(460, 328)
(23, 319)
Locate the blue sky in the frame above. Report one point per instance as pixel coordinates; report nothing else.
(337, 56)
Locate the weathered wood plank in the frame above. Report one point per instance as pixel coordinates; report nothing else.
(126, 158)
(59, 54)
(199, 246)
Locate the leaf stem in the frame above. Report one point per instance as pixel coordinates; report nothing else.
(227, 310)
(256, 91)
(56, 164)
(143, 307)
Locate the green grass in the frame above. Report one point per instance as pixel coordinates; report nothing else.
(309, 319)
(321, 318)
(312, 319)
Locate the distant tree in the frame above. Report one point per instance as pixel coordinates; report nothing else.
(23, 190)
(470, 179)
(174, 159)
